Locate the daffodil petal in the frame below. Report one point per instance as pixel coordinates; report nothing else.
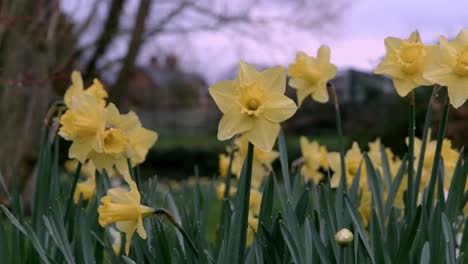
(323, 54)
(458, 93)
(233, 123)
(263, 134)
(247, 72)
(127, 227)
(223, 93)
(299, 83)
(80, 150)
(274, 79)
(279, 107)
(403, 86)
(321, 94)
(302, 94)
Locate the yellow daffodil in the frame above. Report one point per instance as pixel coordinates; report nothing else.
(88, 169)
(254, 103)
(77, 89)
(261, 163)
(123, 208)
(310, 75)
(123, 138)
(83, 123)
(352, 161)
(450, 67)
(223, 164)
(449, 155)
(255, 202)
(315, 157)
(406, 62)
(87, 189)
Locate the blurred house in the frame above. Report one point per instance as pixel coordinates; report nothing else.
(168, 99)
(357, 94)
(357, 87)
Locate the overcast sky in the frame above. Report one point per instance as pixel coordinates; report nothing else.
(356, 41)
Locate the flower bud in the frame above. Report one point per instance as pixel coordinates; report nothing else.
(344, 237)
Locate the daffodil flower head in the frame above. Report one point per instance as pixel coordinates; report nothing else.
(254, 103)
(77, 88)
(123, 138)
(261, 163)
(353, 159)
(450, 67)
(405, 62)
(123, 208)
(315, 157)
(310, 75)
(83, 124)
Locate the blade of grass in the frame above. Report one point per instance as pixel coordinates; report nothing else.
(435, 167)
(284, 162)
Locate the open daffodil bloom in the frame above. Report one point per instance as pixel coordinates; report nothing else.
(406, 61)
(310, 75)
(123, 208)
(450, 67)
(254, 103)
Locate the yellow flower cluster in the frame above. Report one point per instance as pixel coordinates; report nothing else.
(99, 133)
(254, 103)
(255, 203)
(261, 163)
(410, 63)
(102, 138)
(314, 158)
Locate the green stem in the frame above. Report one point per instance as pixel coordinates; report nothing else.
(246, 200)
(72, 192)
(342, 253)
(422, 151)
(228, 176)
(336, 105)
(435, 166)
(173, 221)
(411, 127)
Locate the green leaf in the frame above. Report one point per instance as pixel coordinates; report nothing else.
(438, 150)
(360, 228)
(449, 240)
(457, 186)
(86, 243)
(395, 187)
(292, 244)
(426, 254)
(302, 206)
(283, 152)
(128, 260)
(266, 208)
(58, 235)
(28, 232)
(238, 230)
(375, 186)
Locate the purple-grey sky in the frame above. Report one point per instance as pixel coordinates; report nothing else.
(356, 40)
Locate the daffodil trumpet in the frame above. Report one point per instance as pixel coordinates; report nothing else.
(172, 219)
